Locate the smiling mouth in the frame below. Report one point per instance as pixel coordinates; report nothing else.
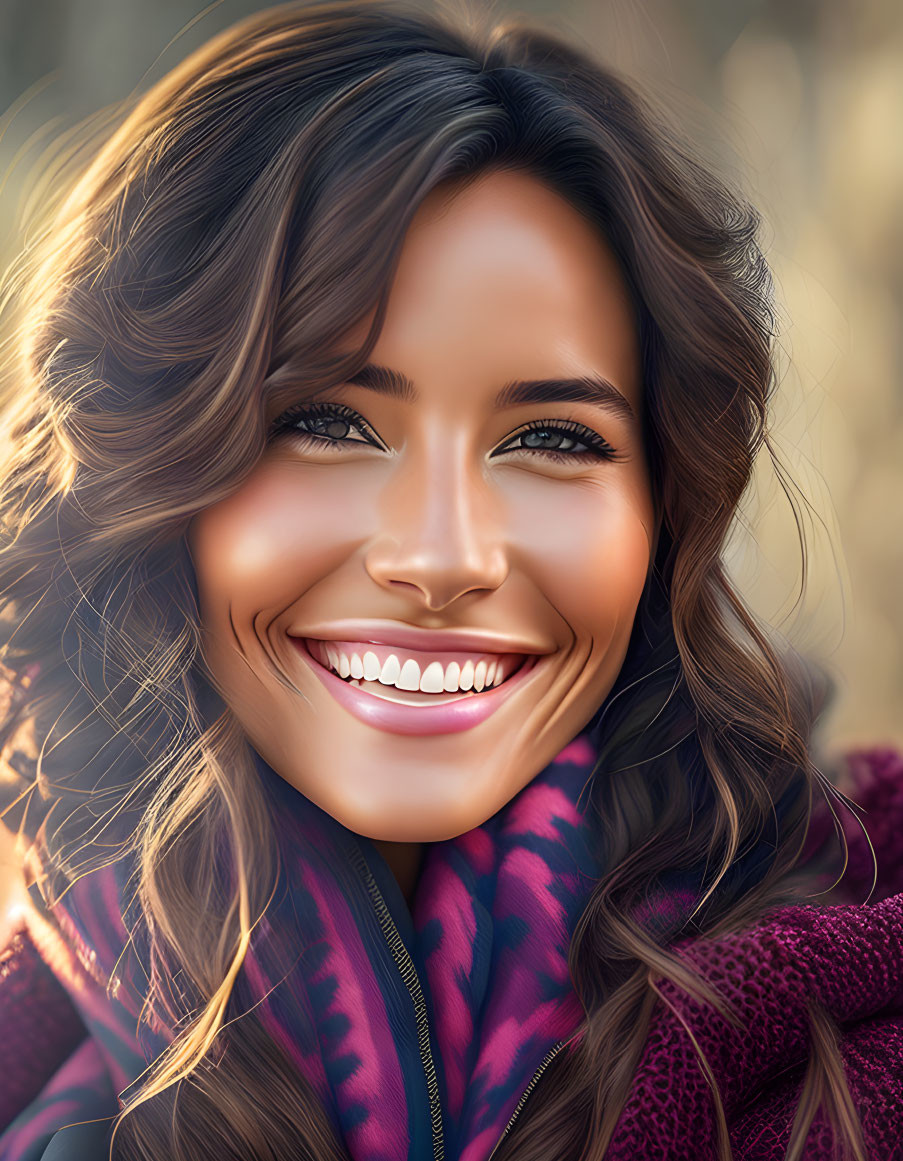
(390, 692)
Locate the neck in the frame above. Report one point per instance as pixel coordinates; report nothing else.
(404, 861)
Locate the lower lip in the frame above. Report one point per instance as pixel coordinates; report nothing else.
(395, 718)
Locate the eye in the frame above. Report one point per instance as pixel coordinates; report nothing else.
(562, 440)
(324, 424)
(329, 424)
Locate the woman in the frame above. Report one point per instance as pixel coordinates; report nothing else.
(392, 387)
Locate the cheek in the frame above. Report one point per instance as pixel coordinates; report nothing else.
(593, 551)
(268, 541)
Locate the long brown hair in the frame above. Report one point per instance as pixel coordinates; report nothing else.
(247, 212)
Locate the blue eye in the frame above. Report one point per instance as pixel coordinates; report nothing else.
(541, 434)
(329, 425)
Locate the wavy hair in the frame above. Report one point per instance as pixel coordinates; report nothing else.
(246, 212)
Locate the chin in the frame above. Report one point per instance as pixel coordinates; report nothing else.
(433, 826)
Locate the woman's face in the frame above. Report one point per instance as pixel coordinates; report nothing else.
(468, 501)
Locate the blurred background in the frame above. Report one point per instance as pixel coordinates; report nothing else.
(797, 102)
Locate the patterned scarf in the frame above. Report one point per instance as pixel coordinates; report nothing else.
(419, 1028)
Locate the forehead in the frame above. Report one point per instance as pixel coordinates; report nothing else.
(503, 279)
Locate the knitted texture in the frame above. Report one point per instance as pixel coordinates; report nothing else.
(876, 777)
(872, 779)
(849, 959)
(39, 1027)
(872, 1054)
(488, 936)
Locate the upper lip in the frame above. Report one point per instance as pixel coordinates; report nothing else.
(412, 637)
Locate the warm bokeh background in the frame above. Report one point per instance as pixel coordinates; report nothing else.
(799, 102)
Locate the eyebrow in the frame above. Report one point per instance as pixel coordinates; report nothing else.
(591, 388)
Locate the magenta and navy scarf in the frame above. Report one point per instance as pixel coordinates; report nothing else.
(423, 1029)
(420, 1028)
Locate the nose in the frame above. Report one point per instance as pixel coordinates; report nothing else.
(441, 533)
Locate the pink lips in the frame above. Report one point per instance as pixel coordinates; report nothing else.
(397, 718)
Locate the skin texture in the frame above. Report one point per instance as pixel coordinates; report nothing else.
(499, 280)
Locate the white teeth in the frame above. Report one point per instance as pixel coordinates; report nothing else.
(436, 678)
(410, 675)
(433, 677)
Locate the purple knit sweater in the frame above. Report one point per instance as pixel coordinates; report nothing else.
(848, 956)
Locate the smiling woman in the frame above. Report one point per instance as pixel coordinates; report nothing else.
(413, 781)
(442, 509)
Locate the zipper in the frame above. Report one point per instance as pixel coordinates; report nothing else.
(550, 1056)
(412, 983)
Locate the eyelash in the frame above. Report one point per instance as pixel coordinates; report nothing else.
(596, 447)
